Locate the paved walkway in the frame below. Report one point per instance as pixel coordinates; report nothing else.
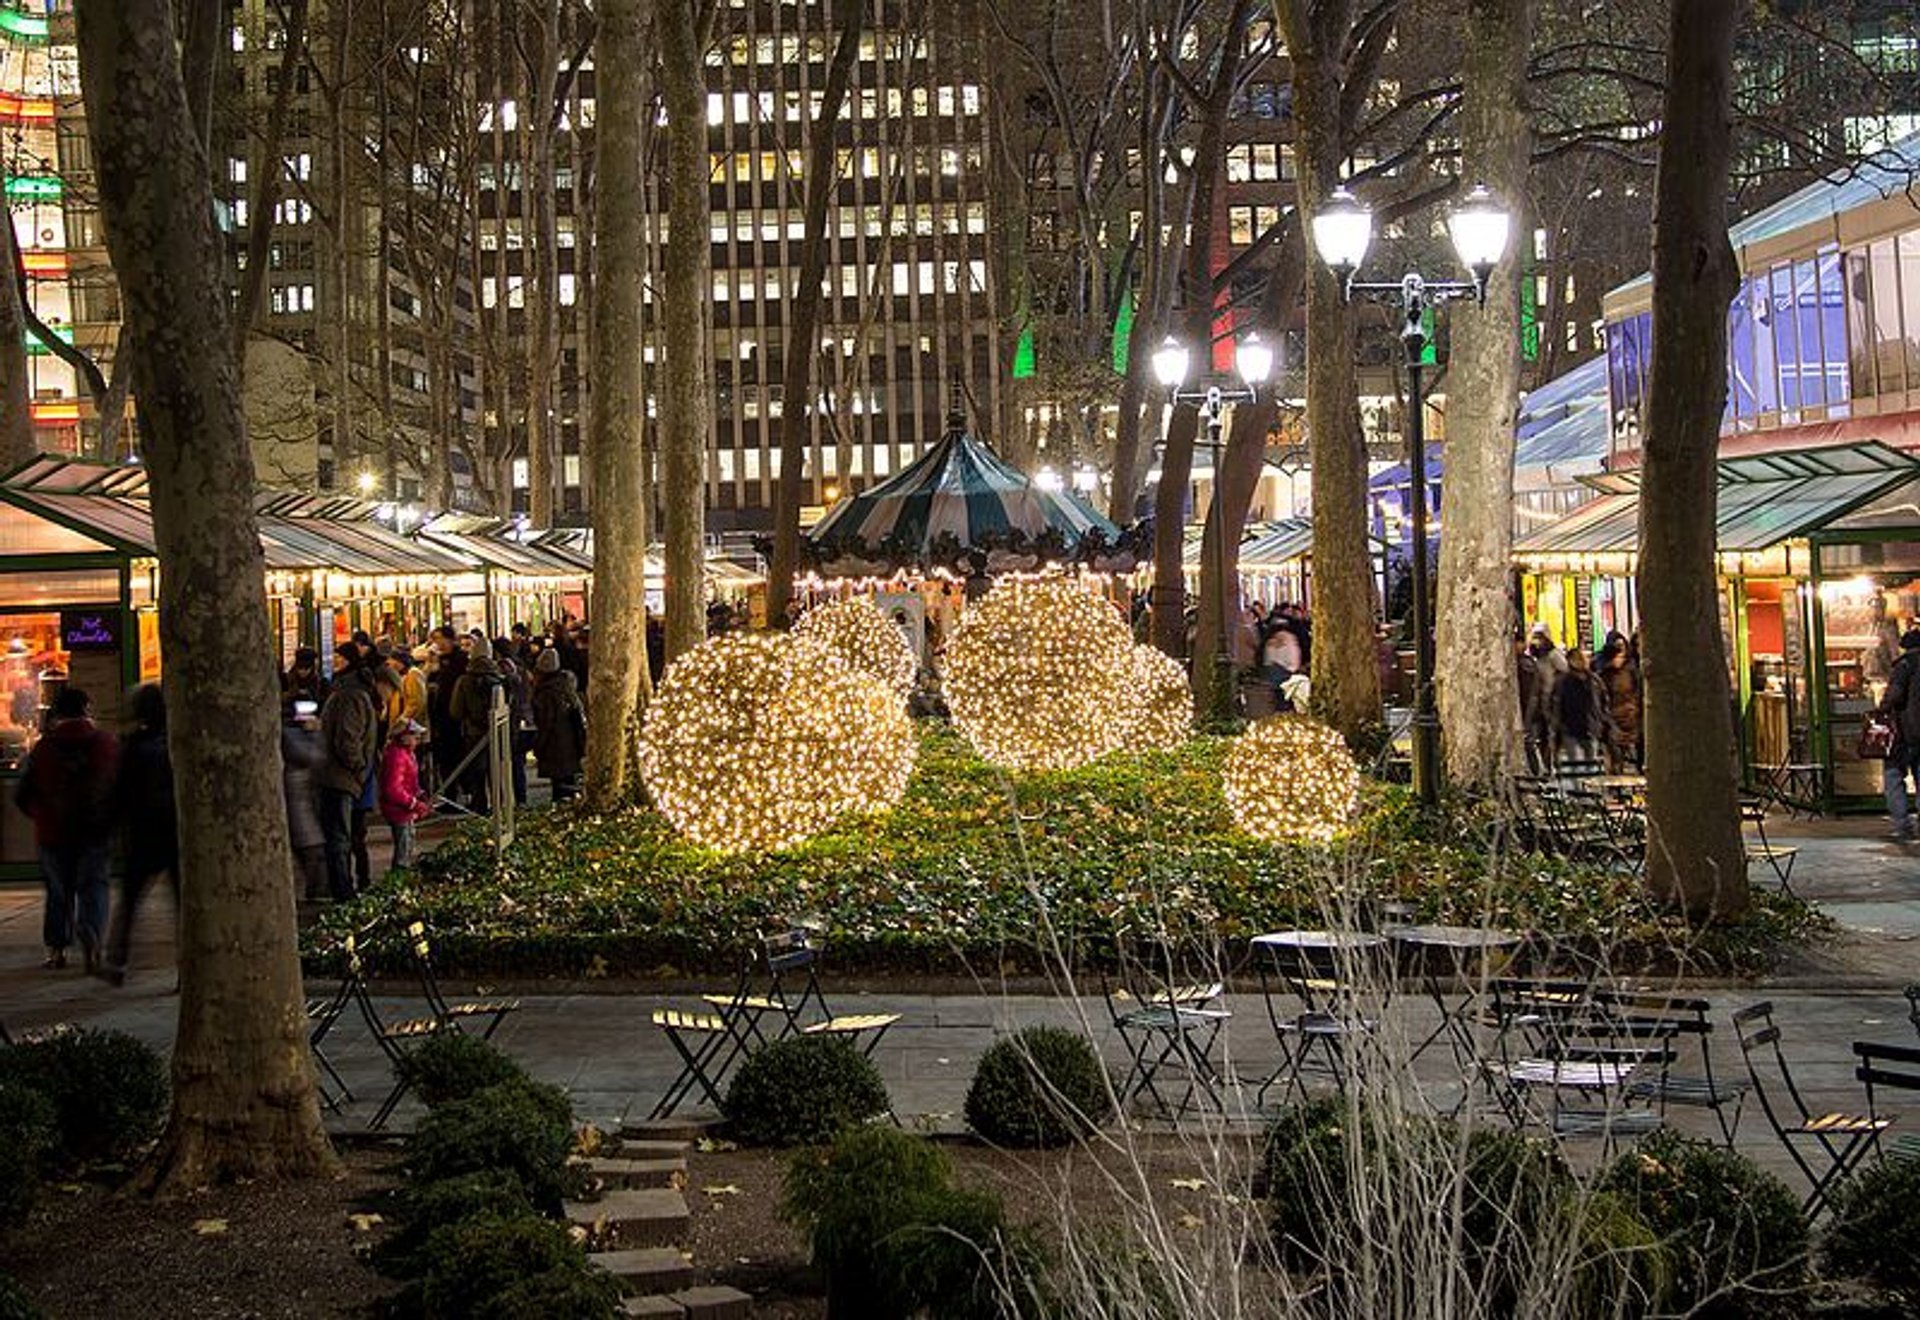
(601, 1046)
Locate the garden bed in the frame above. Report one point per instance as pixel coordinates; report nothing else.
(978, 868)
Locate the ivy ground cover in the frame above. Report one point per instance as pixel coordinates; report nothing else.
(978, 870)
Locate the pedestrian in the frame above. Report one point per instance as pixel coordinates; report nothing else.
(519, 685)
(560, 726)
(1550, 664)
(66, 789)
(1280, 657)
(449, 664)
(143, 802)
(303, 681)
(1579, 711)
(1620, 677)
(472, 708)
(301, 756)
(1901, 705)
(350, 741)
(1532, 702)
(402, 804)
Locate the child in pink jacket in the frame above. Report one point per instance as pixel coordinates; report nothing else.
(402, 804)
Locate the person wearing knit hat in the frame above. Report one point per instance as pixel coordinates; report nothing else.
(559, 725)
(548, 663)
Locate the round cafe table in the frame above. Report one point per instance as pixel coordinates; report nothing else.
(1452, 950)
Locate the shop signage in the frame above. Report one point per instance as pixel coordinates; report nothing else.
(90, 630)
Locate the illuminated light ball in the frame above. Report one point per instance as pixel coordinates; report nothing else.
(1040, 675)
(756, 741)
(1289, 778)
(855, 630)
(1163, 703)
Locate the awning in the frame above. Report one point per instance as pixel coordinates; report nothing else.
(1764, 499)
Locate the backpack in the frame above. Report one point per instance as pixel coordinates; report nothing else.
(69, 783)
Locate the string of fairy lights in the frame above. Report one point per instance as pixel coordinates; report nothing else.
(856, 631)
(756, 741)
(1289, 778)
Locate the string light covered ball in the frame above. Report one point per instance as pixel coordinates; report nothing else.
(1289, 778)
(855, 630)
(1163, 716)
(756, 741)
(1040, 675)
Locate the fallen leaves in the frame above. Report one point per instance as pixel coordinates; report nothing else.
(210, 1227)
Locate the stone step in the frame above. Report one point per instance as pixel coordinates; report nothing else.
(636, 1217)
(649, 1150)
(713, 1302)
(646, 1270)
(620, 1172)
(669, 1129)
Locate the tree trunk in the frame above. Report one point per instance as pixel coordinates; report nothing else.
(796, 414)
(542, 256)
(244, 1103)
(1695, 859)
(16, 390)
(1478, 689)
(686, 403)
(267, 180)
(619, 475)
(1346, 677)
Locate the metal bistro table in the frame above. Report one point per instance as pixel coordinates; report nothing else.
(1460, 945)
(1308, 964)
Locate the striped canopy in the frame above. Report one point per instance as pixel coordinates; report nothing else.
(952, 506)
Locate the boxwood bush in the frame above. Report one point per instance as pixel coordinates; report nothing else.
(425, 1208)
(517, 1128)
(512, 1267)
(108, 1090)
(974, 863)
(1874, 1230)
(802, 1091)
(893, 1234)
(1733, 1231)
(1042, 1086)
(27, 1133)
(451, 1065)
(15, 1304)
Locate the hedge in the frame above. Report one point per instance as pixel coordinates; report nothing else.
(964, 870)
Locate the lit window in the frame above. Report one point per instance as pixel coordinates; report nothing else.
(567, 290)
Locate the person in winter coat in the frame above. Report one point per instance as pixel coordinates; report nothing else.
(471, 709)
(66, 789)
(303, 681)
(559, 724)
(449, 666)
(1550, 665)
(402, 804)
(143, 802)
(1579, 712)
(1901, 704)
(519, 684)
(350, 741)
(1620, 678)
(300, 757)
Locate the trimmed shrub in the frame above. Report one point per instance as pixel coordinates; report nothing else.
(15, 1304)
(450, 1065)
(108, 1090)
(1040, 1087)
(802, 1091)
(893, 1235)
(429, 1207)
(523, 1129)
(1622, 1270)
(568, 1293)
(1874, 1230)
(1733, 1231)
(27, 1127)
(478, 1269)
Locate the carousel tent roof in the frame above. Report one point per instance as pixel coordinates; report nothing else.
(957, 498)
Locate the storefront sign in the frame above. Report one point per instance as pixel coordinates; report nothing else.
(90, 630)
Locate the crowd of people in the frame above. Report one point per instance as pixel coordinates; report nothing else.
(1578, 708)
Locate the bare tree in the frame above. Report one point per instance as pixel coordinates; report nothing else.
(619, 472)
(244, 1102)
(1478, 687)
(681, 30)
(1695, 860)
(16, 407)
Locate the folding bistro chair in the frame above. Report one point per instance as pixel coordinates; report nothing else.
(1165, 1019)
(323, 1013)
(1841, 1137)
(1305, 971)
(1889, 1067)
(697, 1060)
(766, 983)
(492, 1012)
(1753, 811)
(1633, 1015)
(1561, 1062)
(397, 1040)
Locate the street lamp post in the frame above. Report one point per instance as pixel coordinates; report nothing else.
(1342, 232)
(1253, 359)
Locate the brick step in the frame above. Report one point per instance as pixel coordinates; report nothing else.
(643, 1271)
(621, 1172)
(669, 1129)
(713, 1302)
(635, 1217)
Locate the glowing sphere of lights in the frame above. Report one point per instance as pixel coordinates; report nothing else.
(1040, 675)
(1163, 703)
(1289, 778)
(756, 741)
(856, 631)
